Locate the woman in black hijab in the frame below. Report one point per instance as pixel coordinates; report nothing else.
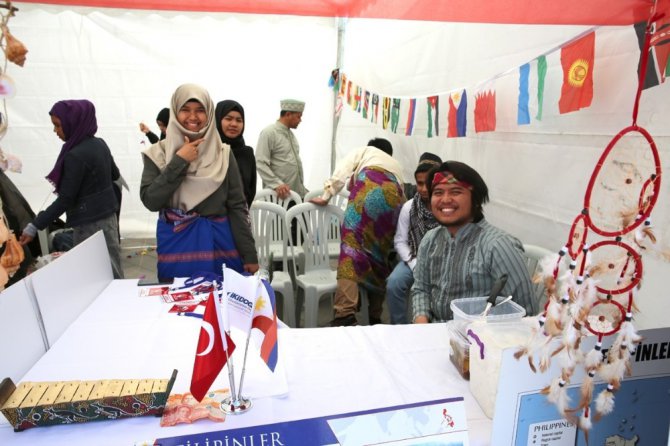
(229, 118)
(162, 121)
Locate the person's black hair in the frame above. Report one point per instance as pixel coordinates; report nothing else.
(382, 144)
(465, 173)
(164, 116)
(427, 161)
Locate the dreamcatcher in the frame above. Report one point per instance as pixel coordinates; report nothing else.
(591, 287)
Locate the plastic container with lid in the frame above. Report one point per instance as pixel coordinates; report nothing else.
(468, 310)
(471, 308)
(460, 346)
(485, 355)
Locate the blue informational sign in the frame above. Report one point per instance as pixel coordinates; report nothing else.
(641, 404)
(438, 422)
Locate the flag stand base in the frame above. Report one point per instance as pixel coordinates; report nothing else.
(235, 407)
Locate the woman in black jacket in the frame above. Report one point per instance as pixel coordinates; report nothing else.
(229, 117)
(83, 179)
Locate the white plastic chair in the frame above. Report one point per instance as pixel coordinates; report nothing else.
(316, 278)
(268, 221)
(46, 239)
(313, 194)
(533, 254)
(340, 200)
(271, 196)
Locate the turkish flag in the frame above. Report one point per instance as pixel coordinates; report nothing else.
(210, 356)
(577, 62)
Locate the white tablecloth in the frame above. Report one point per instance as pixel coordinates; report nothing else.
(322, 371)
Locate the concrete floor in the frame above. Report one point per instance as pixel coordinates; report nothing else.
(138, 259)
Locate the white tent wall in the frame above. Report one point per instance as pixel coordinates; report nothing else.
(537, 174)
(129, 62)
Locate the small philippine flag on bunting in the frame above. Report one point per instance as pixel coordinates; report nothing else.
(577, 62)
(458, 108)
(485, 111)
(210, 356)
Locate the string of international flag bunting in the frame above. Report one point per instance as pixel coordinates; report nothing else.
(400, 115)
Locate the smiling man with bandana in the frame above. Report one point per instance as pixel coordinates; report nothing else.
(465, 254)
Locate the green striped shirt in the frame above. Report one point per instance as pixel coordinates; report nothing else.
(467, 265)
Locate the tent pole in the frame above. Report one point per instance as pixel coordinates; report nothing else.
(341, 28)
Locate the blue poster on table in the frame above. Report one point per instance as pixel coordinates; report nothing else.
(439, 422)
(641, 414)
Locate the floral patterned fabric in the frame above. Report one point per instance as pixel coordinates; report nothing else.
(368, 228)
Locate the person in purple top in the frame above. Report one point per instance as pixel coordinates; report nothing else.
(83, 179)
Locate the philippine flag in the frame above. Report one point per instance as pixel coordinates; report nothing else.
(458, 110)
(251, 304)
(265, 320)
(210, 356)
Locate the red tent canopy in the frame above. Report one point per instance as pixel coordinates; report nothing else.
(556, 12)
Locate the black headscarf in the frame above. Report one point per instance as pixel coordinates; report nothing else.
(244, 155)
(222, 109)
(164, 117)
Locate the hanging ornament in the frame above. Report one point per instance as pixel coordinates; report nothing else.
(7, 88)
(592, 285)
(15, 51)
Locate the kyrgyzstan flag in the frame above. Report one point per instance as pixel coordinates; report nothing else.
(577, 61)
(210, 356)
